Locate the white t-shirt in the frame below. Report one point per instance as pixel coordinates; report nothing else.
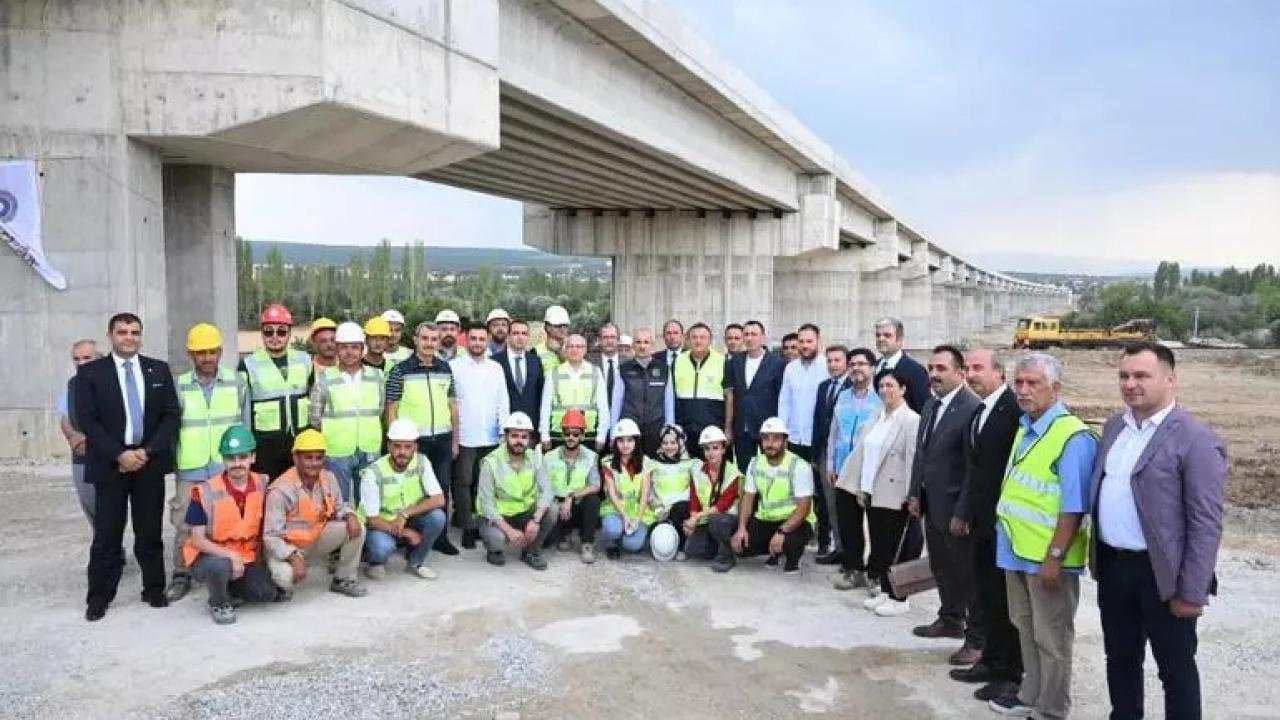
(872, 451)
(801, 486)
(751, 367)
(371, 493)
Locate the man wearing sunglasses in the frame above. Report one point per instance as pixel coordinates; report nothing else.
(277, 379)
(574, 475)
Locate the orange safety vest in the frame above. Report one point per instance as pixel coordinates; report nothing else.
(305, 520)
(226, 525)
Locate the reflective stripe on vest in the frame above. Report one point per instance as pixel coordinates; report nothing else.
(671, 482)
(352, 412)
(775, 488)
(706, 382)
(279, 402)
(425, 401)
(398, 490)
(304, 518)
(629, 487)
(547, 357)
(1031, 494)
(573, 390)
(203, 423)
(568, 479)
(514, 491)
(399, 355)
(225, 525)
(702, 486)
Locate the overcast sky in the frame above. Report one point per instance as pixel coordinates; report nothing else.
(1096, 129)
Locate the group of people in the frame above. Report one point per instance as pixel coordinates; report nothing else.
(364, 448)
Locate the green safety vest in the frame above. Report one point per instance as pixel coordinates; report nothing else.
(775, 488)
(203, 423)
(1031, 495)
(398, 355)
(702, 486)
(397, 490)
(629, 487)
(548, 357)
(567, 479)
(702, 383)
(570, 392)
(279, 402)
(425, 401)
(671, 482)
(514, 491)
(352, 412)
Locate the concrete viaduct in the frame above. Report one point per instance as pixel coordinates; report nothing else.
(617, 126)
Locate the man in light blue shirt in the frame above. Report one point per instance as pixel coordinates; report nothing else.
(799, 393)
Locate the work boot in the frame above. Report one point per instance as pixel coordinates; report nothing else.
(534, 560)
(850, 580)
(443, 546)
(496, 557)
(331, 564)
(724, 564)
(829, 558)
(772, 561)
(469, 537)
(588, 553)
(178, 588)
(349, 587)
(565, 544)
(223, 614)
(375, 572)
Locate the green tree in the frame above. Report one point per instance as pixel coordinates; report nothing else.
(273, 278)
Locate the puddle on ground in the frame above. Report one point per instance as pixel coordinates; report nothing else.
(592, 634)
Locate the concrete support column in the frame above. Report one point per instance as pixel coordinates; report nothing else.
(881, 281)
(970, 312)
(824, 288)
(989, 315)
(940, 319)
(917, 297)
(955, 314)
(200, 254)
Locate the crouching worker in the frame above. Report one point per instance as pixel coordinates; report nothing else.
(402, 500)
(713, 502)
(306, 519)
(514, 497)
(573, 472)
(776, 517)
(224, 548)
(626, 513)
(670, 478)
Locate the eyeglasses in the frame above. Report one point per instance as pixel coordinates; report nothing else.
(573, 433)
(859, 363)
(275, 332)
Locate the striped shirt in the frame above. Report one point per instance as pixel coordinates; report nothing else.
(414, 366)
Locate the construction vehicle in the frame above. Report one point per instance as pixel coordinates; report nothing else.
(1037, 332)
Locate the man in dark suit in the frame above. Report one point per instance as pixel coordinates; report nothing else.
(128, 409)
(523, 371)
(889, 342)
(987, 443)
(753, 380)
(937, 476)
(606, 358)
(823, 490)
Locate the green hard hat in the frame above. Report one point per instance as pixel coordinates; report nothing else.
(237, 440)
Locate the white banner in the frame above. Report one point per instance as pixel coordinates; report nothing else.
(20, 218)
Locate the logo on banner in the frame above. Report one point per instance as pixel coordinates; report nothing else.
(20, 218)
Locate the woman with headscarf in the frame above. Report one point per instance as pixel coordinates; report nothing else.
(671, 479)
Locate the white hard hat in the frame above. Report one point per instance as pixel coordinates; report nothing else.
(402, 429)
(626, 427)
(773, 426)
(664, 541)
(518, 421)
(625, 340)
(349, 332)
(556, 315)
(496, 314)
(393, 316)
(445, 316)
(712, 434)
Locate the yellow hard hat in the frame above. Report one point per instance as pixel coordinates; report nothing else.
(203, 336)
(377, 326)
(322, 323)
(309, 440)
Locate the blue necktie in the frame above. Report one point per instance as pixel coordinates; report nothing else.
(134, 403)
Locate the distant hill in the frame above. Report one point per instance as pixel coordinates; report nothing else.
(439, 259)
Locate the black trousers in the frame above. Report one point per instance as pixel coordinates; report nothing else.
(273, 455)
(760, 533)
(951, 560)
(678, 514)
(1132, 615)
(585, 517)
(438, 450)
(806, 453)
(138, 496)
(887, 528)
(712, 540)
(744, 448)
(255, 585)
(651, 436)
(849, 520)
(1001, 650)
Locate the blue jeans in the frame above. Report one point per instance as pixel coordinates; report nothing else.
(378, 545)
(345, 470)
(613, 532)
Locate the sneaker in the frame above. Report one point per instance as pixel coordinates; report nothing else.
(496, 557)
(588, 553)
(179, 586)
(375, 572)
(792, 569)
(422, 571)
(1009, 706)
(534, 560)
(873, 587)
(874, 602)
(772, 561)
(223, 614)
(995, 689)
(724, 564)
(681, 556)
(565, 545)
(893, 608)
(349, 587)
(850, 580)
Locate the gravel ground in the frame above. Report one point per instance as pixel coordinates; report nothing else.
(626, 639)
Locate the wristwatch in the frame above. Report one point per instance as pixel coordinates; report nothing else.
(1056, 553)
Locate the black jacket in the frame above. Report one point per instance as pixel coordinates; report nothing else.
(938, 473)
(822, 411)
(985, 464)
(919, 390)
(753, 404)
(528, 402)
(101, 413)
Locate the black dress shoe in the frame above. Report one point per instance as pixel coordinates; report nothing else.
(155, 599)
(442, 545)
(979, 672)
(831, 558)
(96, 611)
(938, 629)
(995, 689)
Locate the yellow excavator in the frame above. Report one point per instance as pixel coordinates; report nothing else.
(1037, 333)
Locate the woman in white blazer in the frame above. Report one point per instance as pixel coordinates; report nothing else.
(877, 475)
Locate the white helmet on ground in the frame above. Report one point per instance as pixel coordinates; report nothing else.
(664, 542)
(773, 426)
(712, 434)
(393, 316)
(556, 315)
(626, 427)
(402, 429)
(348, 332)
(517, 421)
(449, 316)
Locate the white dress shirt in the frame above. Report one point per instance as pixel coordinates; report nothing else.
(483, 405)
(136, 367)
(1118, 524)
(799, 396)
(890, 362)
(615, 402)
(945, 403)
(988, 403)
(603, 418)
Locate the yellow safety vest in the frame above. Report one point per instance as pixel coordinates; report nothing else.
(203, 423)
(425, 401)
(705, 382)
(279, 402)
(629, 487)
(548, 357)
(671, 482)
(396, 490)
(1031, 495)
(515, 492)
(352, 412)
(567, 479)
(702, 486)
(775, 488)
(571, 391)
(398, 355)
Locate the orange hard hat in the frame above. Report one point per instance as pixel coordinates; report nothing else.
(276, 314)
(573, 419)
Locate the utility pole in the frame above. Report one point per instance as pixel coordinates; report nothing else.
(1195, 324)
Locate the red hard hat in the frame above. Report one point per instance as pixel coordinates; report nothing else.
(276, 315)
(573, 419)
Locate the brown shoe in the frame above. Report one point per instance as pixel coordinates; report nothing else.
(965, 656)
(938, 629)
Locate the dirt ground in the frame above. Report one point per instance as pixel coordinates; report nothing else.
(630, 639)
